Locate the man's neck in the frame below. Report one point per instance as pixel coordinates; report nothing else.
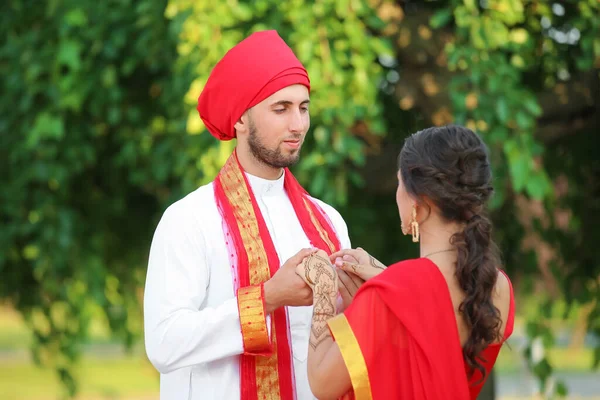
(254, 167)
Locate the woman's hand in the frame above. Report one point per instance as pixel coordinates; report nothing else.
(316, 270)
(358, 262)
(318, 273)
(349, 285)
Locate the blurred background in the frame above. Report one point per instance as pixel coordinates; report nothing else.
(99, 134)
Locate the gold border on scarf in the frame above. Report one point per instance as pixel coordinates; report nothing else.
(253, 320)
(317, 225)
(234, 186)
(353, 357)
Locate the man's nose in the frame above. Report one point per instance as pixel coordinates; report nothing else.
(296, 121)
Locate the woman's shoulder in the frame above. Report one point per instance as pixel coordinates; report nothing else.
(410, 266)
(502, 295)
(503, 299)
(411, 262)
(503, 285)
(407, 274)
(413, 282)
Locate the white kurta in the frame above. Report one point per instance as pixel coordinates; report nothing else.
(191, 320)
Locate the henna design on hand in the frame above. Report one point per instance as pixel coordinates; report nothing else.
(376, 263)
(318, 269)
(320, 274)
(319, 334)
(324, 309)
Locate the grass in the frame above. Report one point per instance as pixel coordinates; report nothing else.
(15, 335)
(121, 378)
(13, 332)
(562, 359)
(99, 377)
(133, 378)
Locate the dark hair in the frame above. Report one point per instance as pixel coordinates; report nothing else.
(450, 166)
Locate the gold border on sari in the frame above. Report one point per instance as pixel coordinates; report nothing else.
(353, 357)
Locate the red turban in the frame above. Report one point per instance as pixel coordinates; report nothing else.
(251, 71)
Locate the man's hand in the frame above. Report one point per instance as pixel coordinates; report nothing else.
(358, 262)
(286, 288)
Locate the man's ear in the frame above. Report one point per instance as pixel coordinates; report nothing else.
(242, 126)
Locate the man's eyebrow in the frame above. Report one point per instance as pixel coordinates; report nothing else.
(288, 103)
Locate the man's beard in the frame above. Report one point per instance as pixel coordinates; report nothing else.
(273, 158)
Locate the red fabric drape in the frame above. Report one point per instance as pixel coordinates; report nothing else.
(405, 326)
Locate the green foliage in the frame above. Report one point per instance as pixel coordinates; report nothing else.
(89, 121)
(489, 53)
(336, 41)
(503, 53)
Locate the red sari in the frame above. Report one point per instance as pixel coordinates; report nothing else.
(399, 338)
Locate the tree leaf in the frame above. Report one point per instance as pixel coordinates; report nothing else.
(69, 53)
(502, 109)
(440, 18)
(532, 106)
(46, 126)
(76, 17)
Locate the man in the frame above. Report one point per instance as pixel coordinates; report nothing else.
(224, 319)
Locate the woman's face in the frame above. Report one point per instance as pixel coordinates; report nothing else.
(405, 205)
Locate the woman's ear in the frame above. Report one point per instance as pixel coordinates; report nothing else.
(424, 209)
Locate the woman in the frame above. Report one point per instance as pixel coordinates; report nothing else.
(426, 328)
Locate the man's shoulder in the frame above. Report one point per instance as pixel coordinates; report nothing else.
(195, 203)
(327, 208)
(337, 220)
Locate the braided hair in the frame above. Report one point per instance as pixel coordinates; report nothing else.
(450, 166)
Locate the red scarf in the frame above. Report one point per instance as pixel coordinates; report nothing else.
(266, 369)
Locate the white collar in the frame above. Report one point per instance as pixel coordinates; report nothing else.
(265, 187)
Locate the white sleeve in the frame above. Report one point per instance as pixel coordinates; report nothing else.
(178, 331)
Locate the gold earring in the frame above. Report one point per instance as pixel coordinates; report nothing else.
(414, 225)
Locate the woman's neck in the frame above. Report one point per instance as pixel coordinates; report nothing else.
(435, 237)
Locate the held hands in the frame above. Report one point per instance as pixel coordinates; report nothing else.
(286, 288)
(354, 267)
(349, 285)
(358, 262)
(316, 270)
(310, 273)
(318, 273)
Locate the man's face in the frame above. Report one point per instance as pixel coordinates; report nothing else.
(277, 127)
